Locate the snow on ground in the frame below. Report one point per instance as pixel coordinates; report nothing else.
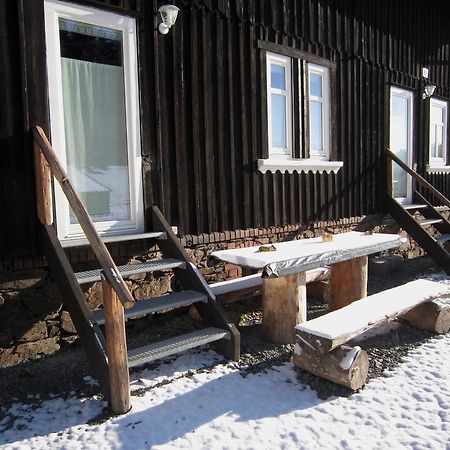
(198, 402)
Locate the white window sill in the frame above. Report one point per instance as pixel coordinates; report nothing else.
(292, 165)
(438, 169)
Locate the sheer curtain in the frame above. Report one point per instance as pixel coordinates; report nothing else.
(95, 131)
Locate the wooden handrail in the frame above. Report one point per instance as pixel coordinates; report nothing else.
(110, 270)
(420, 180)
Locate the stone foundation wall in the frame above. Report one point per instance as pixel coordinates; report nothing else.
(35, 323)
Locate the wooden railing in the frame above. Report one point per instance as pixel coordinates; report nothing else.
(416, 177)
(116, 295)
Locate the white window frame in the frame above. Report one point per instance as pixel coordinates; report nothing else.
(54, 10)
(433, 160)
(324, 73)
(285, 62)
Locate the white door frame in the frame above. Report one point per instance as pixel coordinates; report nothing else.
(409, 96)
(53, 10)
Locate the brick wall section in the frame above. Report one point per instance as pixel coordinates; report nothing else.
(34, 322)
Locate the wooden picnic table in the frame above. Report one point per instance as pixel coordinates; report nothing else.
(284, 280)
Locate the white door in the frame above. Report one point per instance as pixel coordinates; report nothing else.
(400, 142)
(94, 115)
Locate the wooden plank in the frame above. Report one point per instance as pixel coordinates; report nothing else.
(74, 299)
(337, 327)
(116, 343)
(43, 178)
(104, 258)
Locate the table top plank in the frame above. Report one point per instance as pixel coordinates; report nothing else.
(305, 254)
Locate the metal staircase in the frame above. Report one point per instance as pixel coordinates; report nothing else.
(107, 351)
(421, 220)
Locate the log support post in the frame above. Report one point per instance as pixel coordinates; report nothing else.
(348, 282)
(284, 306)
(431, 316)
(43, 178)
(119, 377)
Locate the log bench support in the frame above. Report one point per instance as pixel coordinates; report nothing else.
(320, 343)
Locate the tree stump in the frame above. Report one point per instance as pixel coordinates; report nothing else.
(347, 366)
(284, 306)
(348, 282)
(431, 316)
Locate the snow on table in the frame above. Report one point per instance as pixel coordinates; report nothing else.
(305, 254)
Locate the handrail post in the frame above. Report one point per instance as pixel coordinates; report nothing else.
(389, 170)
(116, 345)
(43, 181)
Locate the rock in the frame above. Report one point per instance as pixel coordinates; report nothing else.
(69, 340)
(66, 323)
(35, 332)
(43, 347)
(22, 284)
(53, 331)
(94, 295)
(42, 305)
(154, 288)
(8, 358)
(2, 300)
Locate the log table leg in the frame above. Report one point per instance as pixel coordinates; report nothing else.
(348, 282)
(284, 306)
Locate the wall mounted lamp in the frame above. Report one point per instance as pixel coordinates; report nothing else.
(429, 88)
(428, 91)
(168, 16)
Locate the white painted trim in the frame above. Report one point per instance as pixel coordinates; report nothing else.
(324, 73)
(292, 165)
(285, 62)
(53, 10)
(434, 161)
(438, 169)
(409, 95)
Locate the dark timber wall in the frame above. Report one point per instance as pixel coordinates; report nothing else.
(204, 114)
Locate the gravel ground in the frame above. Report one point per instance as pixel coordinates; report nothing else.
(64, 374)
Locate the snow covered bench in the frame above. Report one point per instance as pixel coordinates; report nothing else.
(250, 285)
(319, 345)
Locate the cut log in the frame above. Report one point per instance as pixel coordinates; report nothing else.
(284, 306)
(337, 327)
(348, 282)
(432, 316)
(347, 366)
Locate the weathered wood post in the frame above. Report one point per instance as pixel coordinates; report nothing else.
(116, 345)
(43, 179)
(284, 306)
(348, 282)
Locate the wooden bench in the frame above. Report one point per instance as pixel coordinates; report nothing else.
(320, 342)
(239, 288)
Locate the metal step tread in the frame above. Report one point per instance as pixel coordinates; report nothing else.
(156, 304)
(442, 238)
(119, 238)
(90, 276)
(174, 345)
(424, 222)
(414, 206)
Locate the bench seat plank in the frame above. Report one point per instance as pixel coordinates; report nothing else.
(337, 327)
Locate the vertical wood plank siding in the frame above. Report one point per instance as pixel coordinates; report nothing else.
(204, 112)
(371, 45)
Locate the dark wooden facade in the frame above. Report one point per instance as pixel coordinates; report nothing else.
(203, 105)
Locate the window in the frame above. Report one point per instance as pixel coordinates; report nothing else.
(319, 111)
(438, 132)
(279, 104)
(94, 115)
(298, 112)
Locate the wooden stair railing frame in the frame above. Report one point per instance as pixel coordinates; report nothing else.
(116, 295)
(416, 177)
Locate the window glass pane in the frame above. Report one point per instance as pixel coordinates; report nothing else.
(439, 142)
(279, 121)
(437, 114)
(277, 77)
(316, 126)
(315, 84)
(94, 117)
(433, 141)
